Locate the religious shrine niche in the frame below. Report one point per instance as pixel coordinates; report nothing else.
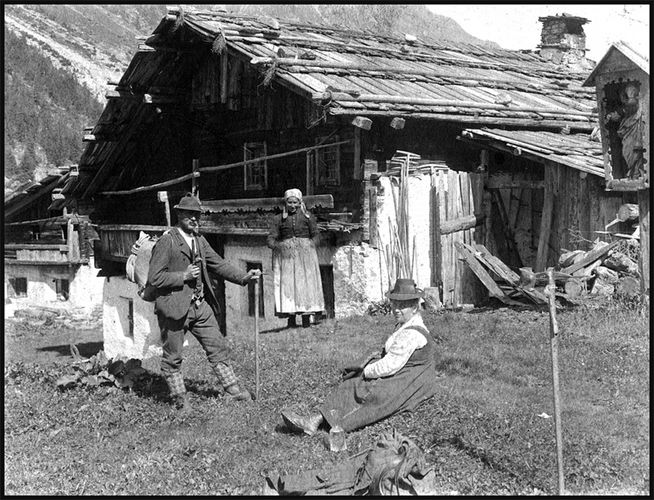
(621, 80)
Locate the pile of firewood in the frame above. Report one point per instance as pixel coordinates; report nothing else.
(603, 270)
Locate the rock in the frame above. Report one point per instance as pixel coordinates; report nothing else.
(628, 286)
(602, 286)
(621, 263)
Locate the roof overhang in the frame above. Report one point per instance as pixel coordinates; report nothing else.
(576, 151)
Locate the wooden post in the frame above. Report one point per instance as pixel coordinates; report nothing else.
(436, 263)
(163, 197)
(545, 226)
(374, 234)
(195, 179)
(309, 184)
(554, 346)
(256, 337)
(643, 217)
(356, 174)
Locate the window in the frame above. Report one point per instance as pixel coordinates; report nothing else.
(18, 287)
(255, 174)
(126, 314)
(62, 287)
(251, 285)
(327, 163)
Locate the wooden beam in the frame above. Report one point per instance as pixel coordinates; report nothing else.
(217, 169)
(583, 126)
(545, 224)
(421, 101)
(503, 183)
(356, 173)
(252, 204)
(460, 224)
(591, 257)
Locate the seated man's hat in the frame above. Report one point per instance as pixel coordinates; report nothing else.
(405, 289)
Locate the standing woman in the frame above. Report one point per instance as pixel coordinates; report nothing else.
(293, 237)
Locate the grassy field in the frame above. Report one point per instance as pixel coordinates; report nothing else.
(485, 432)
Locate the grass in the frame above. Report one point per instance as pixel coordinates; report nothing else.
(483, 432)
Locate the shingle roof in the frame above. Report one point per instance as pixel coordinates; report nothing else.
(359, 73)
(345, 72)
(578, 151)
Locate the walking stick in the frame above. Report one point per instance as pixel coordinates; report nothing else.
(256, 337)
(554, 345)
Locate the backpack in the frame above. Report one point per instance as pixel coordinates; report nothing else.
(138, 264)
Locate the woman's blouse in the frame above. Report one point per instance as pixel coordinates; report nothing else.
(399, 347)
(295, 225)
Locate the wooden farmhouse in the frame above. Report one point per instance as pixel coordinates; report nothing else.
(621, 81)
(48, 253)
(404, 150)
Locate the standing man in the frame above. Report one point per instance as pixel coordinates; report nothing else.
(179, 269)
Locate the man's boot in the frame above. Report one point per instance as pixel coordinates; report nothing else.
(227, 379)
(178, 392)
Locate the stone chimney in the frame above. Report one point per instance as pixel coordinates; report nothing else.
(563, 40)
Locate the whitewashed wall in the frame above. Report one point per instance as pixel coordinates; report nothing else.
(85, 287)
(145, 341)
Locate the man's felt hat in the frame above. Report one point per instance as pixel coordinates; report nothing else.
(405, 289)
(189, 203)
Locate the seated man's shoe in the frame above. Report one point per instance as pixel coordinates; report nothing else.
(297, 423)
(237, 394)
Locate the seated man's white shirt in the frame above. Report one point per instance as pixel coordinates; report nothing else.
(399, 347)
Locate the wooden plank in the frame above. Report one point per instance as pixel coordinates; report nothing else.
(591, 257)
(643, 261)
(500, 268)
(493, 289)
(545, 224)
(252, 204)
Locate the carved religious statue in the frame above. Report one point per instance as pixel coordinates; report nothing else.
(630, 130)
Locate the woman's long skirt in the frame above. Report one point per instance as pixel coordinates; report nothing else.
(298, 287)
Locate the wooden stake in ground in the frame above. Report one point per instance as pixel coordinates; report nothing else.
(256, 338)
(554, 345)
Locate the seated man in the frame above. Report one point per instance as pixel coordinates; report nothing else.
(399, 378)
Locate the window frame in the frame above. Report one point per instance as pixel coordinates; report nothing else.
(249, 148)
(319, 164)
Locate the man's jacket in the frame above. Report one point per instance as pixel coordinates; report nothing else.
(170, 258)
